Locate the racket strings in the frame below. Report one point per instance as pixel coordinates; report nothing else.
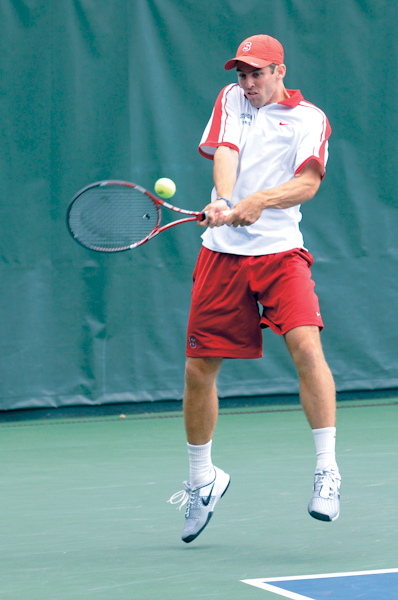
(112, 217)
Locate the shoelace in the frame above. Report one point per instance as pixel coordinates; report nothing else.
(186, 495)
(181, 496)
(327, 481)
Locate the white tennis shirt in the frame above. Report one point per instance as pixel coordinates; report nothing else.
(274, 143)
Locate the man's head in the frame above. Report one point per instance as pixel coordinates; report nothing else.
(260, 68)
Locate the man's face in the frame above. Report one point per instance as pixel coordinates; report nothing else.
(261, 86)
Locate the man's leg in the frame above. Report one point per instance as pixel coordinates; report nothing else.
(200, 399)
(207, 483)
(200, 415)
(317, 391)
(318, 398)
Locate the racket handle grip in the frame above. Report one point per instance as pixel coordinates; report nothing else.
(224, 212)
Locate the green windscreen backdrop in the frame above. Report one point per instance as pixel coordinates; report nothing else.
(95, 90)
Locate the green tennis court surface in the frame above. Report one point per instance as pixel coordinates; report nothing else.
(84, 510)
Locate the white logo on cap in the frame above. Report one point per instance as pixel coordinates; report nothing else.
(247, 47)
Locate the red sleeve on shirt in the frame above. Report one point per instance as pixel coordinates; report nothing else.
(216, 128)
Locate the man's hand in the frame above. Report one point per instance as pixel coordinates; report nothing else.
(246, 212)
(215, 214)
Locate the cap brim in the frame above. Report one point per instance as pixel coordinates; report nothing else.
(249, 60)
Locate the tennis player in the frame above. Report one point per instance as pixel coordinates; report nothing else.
(270, 148)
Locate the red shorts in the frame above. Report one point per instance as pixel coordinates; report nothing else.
(225, 320)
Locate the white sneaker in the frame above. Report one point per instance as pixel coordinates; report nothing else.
(325, 502)
(200, 503)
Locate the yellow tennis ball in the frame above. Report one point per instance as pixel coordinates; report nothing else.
(165, 188)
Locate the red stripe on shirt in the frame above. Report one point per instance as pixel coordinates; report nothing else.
(323, 143)
(325, 134)
(219, 108)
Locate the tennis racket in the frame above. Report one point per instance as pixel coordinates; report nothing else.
(114, 216)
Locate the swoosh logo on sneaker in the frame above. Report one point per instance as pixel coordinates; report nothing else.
(283, 123)
(205, 501)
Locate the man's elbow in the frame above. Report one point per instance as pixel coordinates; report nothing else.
(313, 187)
(310, 178)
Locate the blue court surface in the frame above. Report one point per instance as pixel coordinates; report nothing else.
(362, 585)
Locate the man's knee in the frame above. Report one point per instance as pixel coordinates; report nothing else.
(201, 371)
(305, 347)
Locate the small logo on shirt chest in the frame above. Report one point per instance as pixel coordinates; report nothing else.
(246, 118)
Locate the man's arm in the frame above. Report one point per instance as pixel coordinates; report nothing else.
(224, 173)
(303, 187)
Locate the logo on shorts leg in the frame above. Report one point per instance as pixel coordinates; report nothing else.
(192, 341)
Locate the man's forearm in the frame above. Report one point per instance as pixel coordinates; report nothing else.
(300, 189)
(225, 170)
(294, 192)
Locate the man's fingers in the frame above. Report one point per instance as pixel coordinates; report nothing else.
(236, 220)
(231, 218)
(216, 218)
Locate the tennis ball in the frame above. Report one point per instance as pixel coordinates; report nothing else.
(165, 188)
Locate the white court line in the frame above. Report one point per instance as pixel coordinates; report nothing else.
(264, 584)
(276, 590)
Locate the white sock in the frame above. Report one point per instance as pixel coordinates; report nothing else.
(201, 469)
(325, 444)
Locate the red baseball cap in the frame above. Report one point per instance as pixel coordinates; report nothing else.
(258, 51)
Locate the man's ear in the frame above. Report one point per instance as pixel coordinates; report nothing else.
(281, 71)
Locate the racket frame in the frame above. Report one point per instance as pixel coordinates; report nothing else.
(159, 203)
